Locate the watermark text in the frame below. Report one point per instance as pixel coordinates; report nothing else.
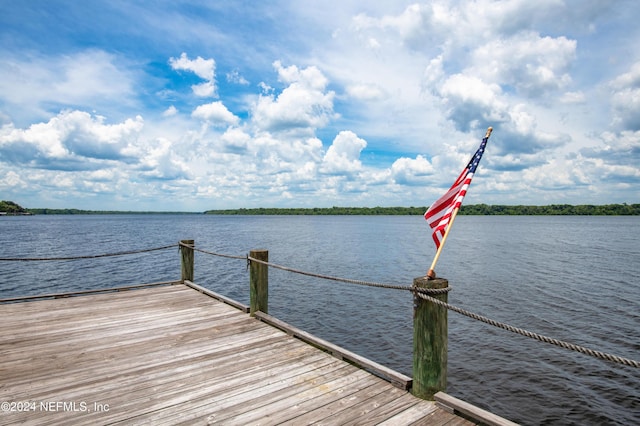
(53, 406)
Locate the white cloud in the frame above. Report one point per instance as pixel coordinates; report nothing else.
(310, 77)
(12, 180)
(412, 25)
(481, 62)
(236, 140)
(284, 154)
(90, 74)
(162, 163)
(573, 98)
(366, 92)
(616, 148)
(204, 90)
(235, 77)
(469, 101)
(408, 171)
(343, 156)
(555, 174)
(303, 105)
(170, 112)
(73, 140)
(628, 79)
(102, 175)
(91, 79)
(625, 99)
(514, 161)
(216, 113)
(203, 68)
(434, 73)
(532, 64)
(483, 95)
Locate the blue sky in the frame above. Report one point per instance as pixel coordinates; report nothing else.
(196, 105)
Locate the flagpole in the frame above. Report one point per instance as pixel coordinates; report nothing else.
(431, 273)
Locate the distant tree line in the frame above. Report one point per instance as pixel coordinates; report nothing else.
(473, 209)
(96, 212)
(553, 209)
(322, 211)
(11, 208)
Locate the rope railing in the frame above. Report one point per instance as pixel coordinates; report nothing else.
(424, 294)
(536, 336)
(316, 275)
(352, 281)
(95, 256)
(228, 256)
(419, 292)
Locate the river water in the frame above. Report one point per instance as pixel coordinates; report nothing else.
(572, 278)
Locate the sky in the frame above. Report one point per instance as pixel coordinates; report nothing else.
(198, 105)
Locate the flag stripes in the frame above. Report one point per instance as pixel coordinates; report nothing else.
(439, 215)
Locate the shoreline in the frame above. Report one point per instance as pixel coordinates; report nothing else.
(469, 210)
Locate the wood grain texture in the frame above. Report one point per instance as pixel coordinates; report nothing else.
(170, 355)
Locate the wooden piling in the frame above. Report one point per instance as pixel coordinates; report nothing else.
(259, 283)
(187, 259)
(429, 341)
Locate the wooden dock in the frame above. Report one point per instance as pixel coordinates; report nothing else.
(167, 355)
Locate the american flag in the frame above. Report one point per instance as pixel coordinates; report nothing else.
(440, 212)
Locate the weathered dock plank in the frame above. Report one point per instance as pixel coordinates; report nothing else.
(171, 355)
